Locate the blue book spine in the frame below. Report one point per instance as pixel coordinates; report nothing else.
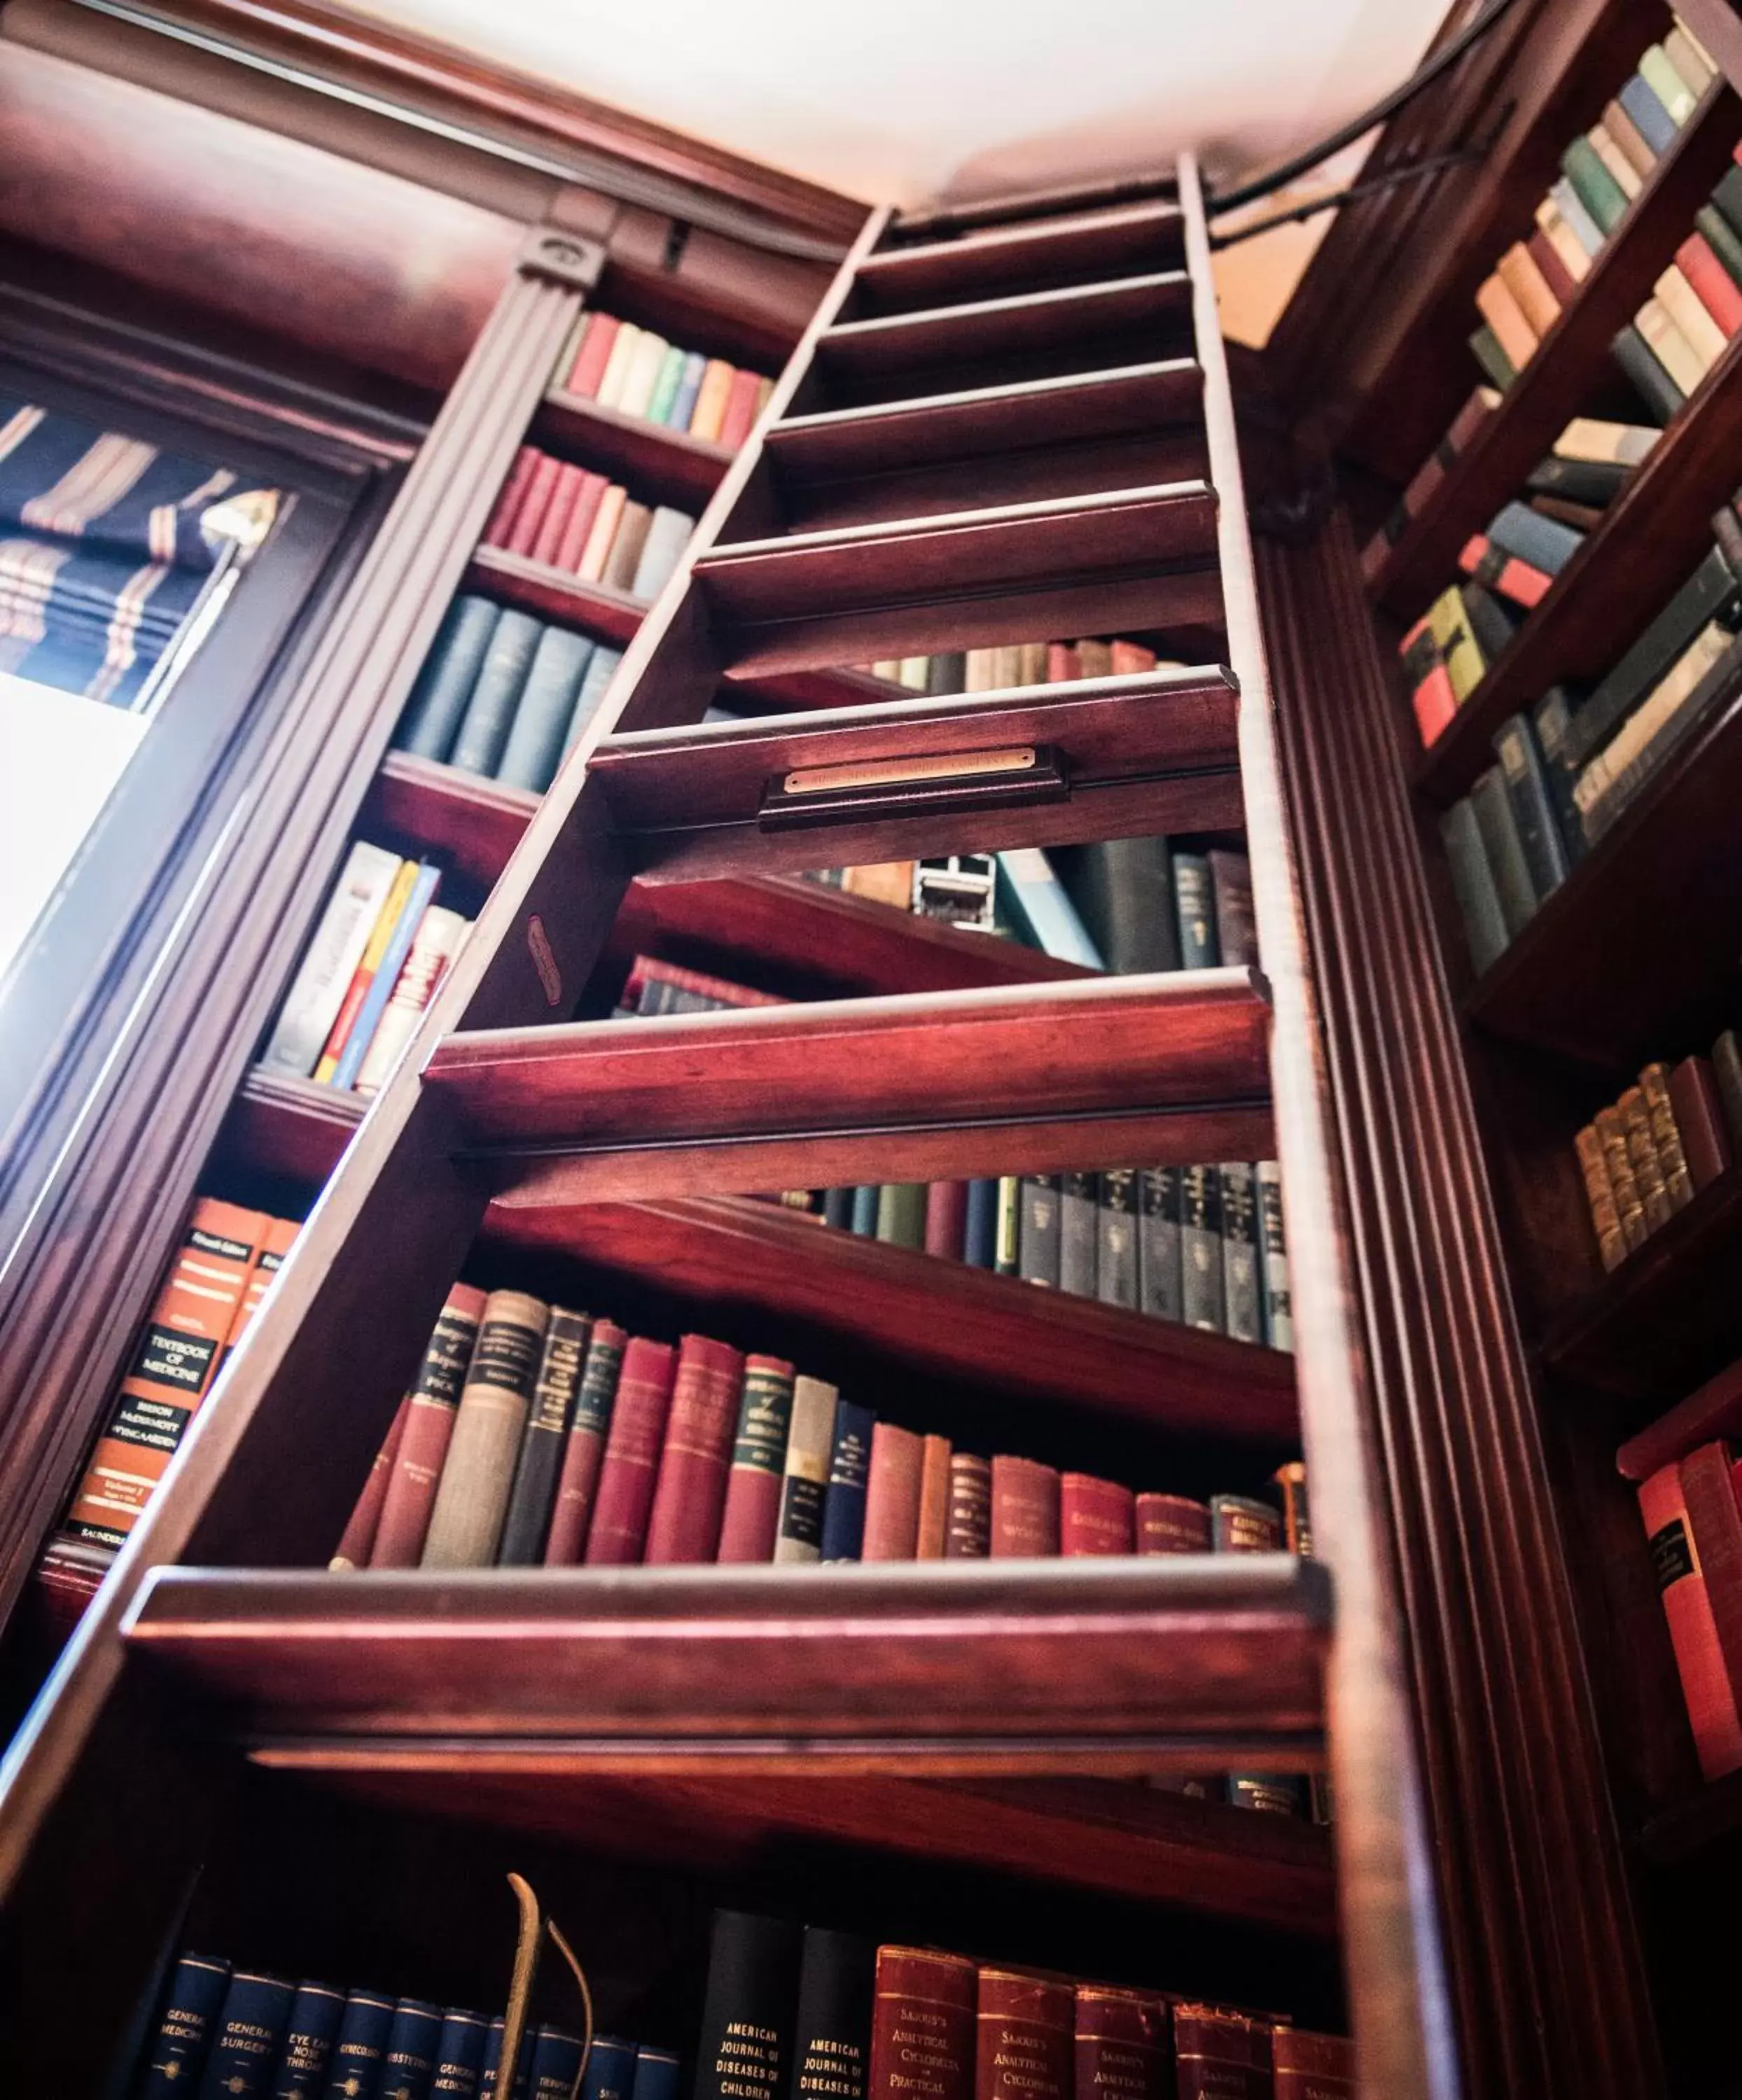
(459, 2055)
(355, 2073)
(1654, 124)
(599, 673)
(490, 2070)
(1544, 542)
(535, 745)
(497, 693)
(437, 706)
(556, 2064)
(656, 2073)
(865, 1200)
(313, 2028)
(381, 986)
(1041, 903)
(610, 2069)
(683, 401)
(247, 2037)
(844, 1502)
(184, 2028)
(408, 2062)
(979, 1240)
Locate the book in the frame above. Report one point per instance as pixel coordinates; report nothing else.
(1699, 1120)
(1661, 76)
(1533, 814)
(1432, 698)
(471, 1497)
(689, 1491)
(1237, 927)
(1716, 290)
(1519, 580)
(744, 2047)
(1631, 141)
(1078, 1233)
(1243, 1310)
(1691, 58)
(711, 398)
(1645, 107)
(980, 1225)
(426, 879)
(1120, 2044)
(594, 353)
(1160, 1224)
(1686, 362)
(173, 1363)
(667, 534)
(1692, 317)
(577, 530)
(387, 918)
(1592, 438)
(610, 2069)
(1498, 306)
(534, 748)
(1007, 1237)
(318, 990)
(533, 1497)
(360, 2043)
(831, 2053)
(1561, 283)
(1279, 1315)
(929, 2001)
(434, 945)
(583, 1448)
(1595, 185)
(554, 2070)
(624, 557)
(946, 1219)
(1655, 388)
(1024, 1509)
(1713, 1410)
(618, 361)
(689, 386)
(1596, 481)
(666, 386)
(1095, 1516)
(901, 1213)
(1504, 849)
(509, 497)
(750, 1523)
(430, 1406)
(1484, 347)
(1539, 540)
(1726, 1069)
(590, 566)
(1039, 1229)
(433, 713)
(1710, 1488)
(1115, 1263)
(892, 1483)
(1531, 293)
(310, 2034)
(1171, 1523)
(356, 1542)
(1723, 241)
(849, 1470)
(1201, 1288)
(192, 2005)
(459, 2055)
(1221, 2055)
(501, 679)
(625, 1492)
(931, 1532)
(1195, 908)
(1473, 887)
(1568, 249)
(408, 2057)
(1666, 1139)
(655, 2074)
(247, 2036)
(1311, 2066)
(739, 413)
(1039, 906)
(1626, 176)
(1693, 1630)
(531, 511)
(967, 1528)
(602, 667)
(863, 1219)
(1025, 2046)
(1123, 892)
(804, 1478)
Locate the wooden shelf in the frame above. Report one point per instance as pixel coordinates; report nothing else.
(1118, 562)
(1572, 357)
(1639, 944)
(670, 465)
(1694, 1825)
(1037, 257)
(610, 615)
(1155, 751)
(915, 1088)
(941, 1316)
(988, 1667)
(1668, 1317)
(471, 825)
(1651, 538)
(289, 1127)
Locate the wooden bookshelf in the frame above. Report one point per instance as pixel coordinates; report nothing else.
(1043, 255)
(471, 825)
(670, 465)
(611, 615)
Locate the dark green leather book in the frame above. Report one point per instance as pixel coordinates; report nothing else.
(1711, 592)
(1201, 1289)
(743, 2050)
(901, 1213)
(1195, 910)
(1596, 189)
(1115, 1251)
(1160, 1191)
(1484, 347)
(1661, 396)
(1726, 1069)
(1273, 1248)
(1038, 1225)
(1078, 1233)
(1473, 885)
(1123, 893)
(1505, 849)
(1242, 1292)
(1532, 808)
(501, 679)
(1549, 720)
(831, 2056)
(1598, 482)
(1727, 200)
(1720, 237)
(947, 673)
(546, 705)
(1491, 623)
(438, 703)
(530, 1498)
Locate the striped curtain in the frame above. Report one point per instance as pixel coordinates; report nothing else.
(102, 554)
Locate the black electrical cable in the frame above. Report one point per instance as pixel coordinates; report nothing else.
(1391, 179)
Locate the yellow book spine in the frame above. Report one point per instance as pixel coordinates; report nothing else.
(711, 398)
(380, 933)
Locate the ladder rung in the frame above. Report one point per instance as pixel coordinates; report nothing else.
(1033, 257)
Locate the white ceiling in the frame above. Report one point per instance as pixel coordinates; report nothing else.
(907, 100)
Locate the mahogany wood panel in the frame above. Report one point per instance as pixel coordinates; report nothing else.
(1571, 358)
(670, 465)
(1706, 1818)
(1081, 249)
(471, 826)
(780, 694)
(943, 1315)
(289, 1127)
(612, 615)
(1639, 944)
(1104, 1836)
(1650, 541)
(1066, 1660)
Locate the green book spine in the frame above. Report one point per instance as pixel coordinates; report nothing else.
(1721, 238)
(901, 1213)
(1597, 189)
(1484, 347)
(665, 386)
(1505, 849)
(1473, 885)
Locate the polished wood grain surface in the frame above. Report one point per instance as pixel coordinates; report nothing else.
(1076, 248)
(597, 609)
(670, 465)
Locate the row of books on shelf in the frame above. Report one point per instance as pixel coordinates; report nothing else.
(230, 2033)
(1650, 1153)
(503, 694)
(788, 2013)
(1686, 1467)
(636, 372)
(380, 950)
(995, 670)
(1569, 769)
(534, 1434)
(570, 518)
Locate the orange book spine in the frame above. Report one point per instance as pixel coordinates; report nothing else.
(1693, 1629)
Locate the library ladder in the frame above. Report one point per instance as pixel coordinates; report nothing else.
(1009, 436)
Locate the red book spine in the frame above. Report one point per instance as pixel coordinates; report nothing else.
(594, 354)
(892, 1494)
(1094, 1517)
(560, 509)
(1693, 1629)
(967, 1528)
(584, 1447)
(1699, 1120)
(1063, 664)
(531, 514)
(435, 1401)
(364, 1520)
(1429, 683)
(1311, 2066)
(1504, 573)
(689, 1495)
(626, 1480)
(934, 1500)
(1131, 657)
(759, 1461)
(922, 2026)
(1024, 1509)
(946, 1219)
(1025, 2039)
(740, 410)
(1172, 1523)
(1560, 280)
(1708, 1488)
(500, 522)
(579, 528)
(646, 970)
(1121, 2043)
(1714, 286)
(1220, 2055)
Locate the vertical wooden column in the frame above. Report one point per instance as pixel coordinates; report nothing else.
(1391, 1932)
(1544, 1965)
